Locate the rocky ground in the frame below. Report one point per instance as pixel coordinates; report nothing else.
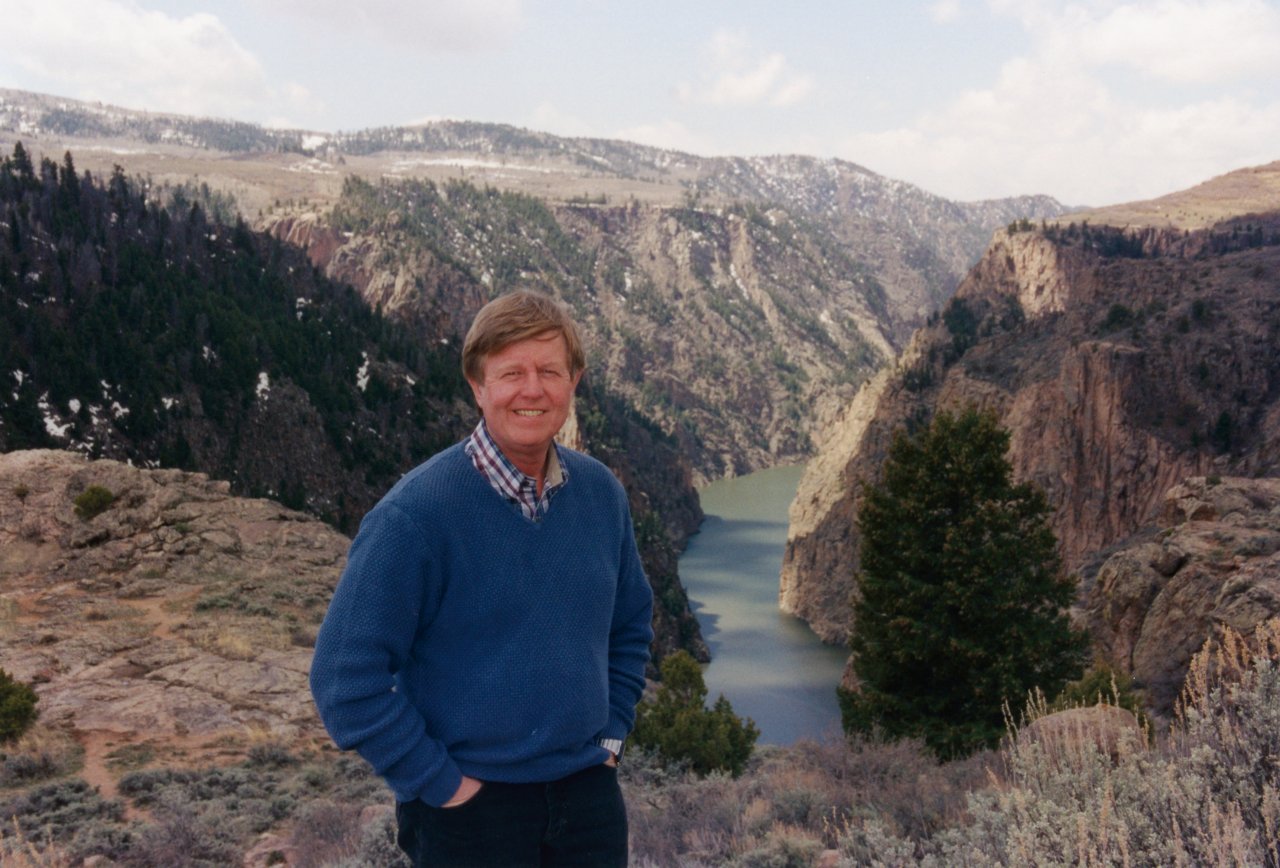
(178, 623)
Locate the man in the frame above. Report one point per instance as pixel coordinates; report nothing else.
(486, 645)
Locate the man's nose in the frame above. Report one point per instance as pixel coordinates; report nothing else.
(531, 384)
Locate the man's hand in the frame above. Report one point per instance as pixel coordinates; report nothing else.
(468, 788)
(612, 761)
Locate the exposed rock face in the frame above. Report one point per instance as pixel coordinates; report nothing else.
(1213, 561)
(178, 611)
(732, 329)
(1120, 362)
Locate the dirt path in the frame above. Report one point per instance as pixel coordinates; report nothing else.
(97, 744)
(162, 617)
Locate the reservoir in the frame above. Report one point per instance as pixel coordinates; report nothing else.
(769, 665)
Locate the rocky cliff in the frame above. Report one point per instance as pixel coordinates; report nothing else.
(1211, 560)
(1122, 360)
(731, 329)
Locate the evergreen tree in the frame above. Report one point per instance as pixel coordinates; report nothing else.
(17, 707)
(680, 728)
(963, 599)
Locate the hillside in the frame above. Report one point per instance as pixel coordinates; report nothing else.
(1123, 361)
(137, 327)
(787, 280)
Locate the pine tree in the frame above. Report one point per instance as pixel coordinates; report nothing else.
(17, 707)
(680, 728)
(963, 598)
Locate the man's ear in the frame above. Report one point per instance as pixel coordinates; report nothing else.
(475, 389)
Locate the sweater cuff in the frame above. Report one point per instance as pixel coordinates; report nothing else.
(443, 787)
(613, 745)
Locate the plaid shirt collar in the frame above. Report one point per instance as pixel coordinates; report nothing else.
(508, 480)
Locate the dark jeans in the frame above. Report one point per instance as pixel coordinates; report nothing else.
(579, 820)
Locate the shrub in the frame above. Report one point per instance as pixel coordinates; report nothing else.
(678, 726)
(1209, 795)
(93, 501)
(61, 809)
(17, 707)
(38, 756)
(325, 833)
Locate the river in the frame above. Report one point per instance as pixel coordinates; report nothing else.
(769, 665)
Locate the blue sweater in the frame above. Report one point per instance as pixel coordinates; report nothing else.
(464, 638)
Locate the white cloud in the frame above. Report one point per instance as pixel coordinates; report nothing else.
(1182, 41)
(116, 51)
(446, 25)
(944, 11)
(1062, 119)
(735, 74)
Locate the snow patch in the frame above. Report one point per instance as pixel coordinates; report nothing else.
(362, 375)
(263, 389)
(74, 404)
(51, 424)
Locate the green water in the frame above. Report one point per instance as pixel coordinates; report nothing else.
(770, 666)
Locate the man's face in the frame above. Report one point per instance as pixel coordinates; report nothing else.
(525, 395)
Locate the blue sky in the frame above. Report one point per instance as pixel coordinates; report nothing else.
(1094, 101)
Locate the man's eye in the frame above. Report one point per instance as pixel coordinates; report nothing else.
(552, 373)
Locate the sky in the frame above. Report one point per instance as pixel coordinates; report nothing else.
(1094, 102)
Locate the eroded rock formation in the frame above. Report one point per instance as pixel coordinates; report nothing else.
(1211, 561)
(1121, 361)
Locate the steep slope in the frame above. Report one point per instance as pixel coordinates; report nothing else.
(160, 336)
(1123, 361)
(732, 329)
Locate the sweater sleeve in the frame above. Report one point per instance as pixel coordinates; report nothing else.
(366, 637)
(630, 636)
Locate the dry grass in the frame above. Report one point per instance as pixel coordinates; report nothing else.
(39, 754)
(240, 638)
(16, 851)
(1204, 792)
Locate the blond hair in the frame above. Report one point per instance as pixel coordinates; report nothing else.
(515, 317)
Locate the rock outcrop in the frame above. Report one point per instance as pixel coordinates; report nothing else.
(182, 613)
(178, 614)
(1212, 561)
(1122, 362)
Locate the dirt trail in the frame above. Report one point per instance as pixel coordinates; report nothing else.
(162, 616)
